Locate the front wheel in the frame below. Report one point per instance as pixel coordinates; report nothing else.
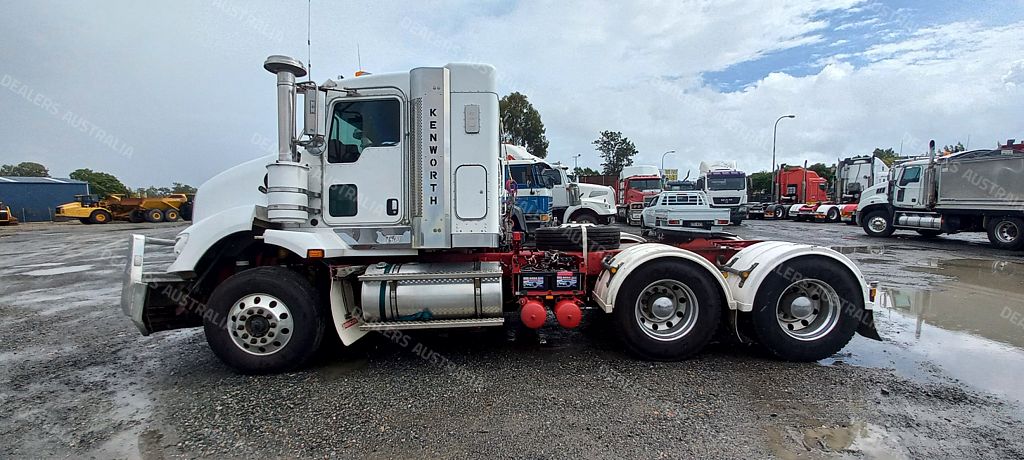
(585, 218)
(807, 309)
(833, 215)
(154, 215)
(1007, 233)
(99, 216)
(667, 310)
(266, 320)
(878, 223)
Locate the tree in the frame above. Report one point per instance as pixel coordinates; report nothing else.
(616, 150)
(888, 155)
(953, 148)
(826, 172)
(178, 187)
(521, 124)
(100, 183)
(585, 172)
(761, 186)
(25, 169)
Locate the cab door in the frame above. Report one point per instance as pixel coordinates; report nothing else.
(908, 188)
(365, 165)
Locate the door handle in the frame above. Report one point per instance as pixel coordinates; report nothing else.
(392, 206)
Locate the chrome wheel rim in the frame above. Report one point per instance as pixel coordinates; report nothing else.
(878, 224)
(1007, 232)
(260, 324)
(808, 309)
(666, 310)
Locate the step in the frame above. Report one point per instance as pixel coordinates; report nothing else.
(435, 324)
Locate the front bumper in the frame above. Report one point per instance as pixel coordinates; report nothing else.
(135, 292)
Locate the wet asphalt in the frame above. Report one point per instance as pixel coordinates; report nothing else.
(77, 380)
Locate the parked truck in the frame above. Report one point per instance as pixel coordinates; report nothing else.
(975, 191)
(635, 184)
(726, 187)
(853, 176)
(384, 215)
(794, 186)
(568, 203)
(90, 209)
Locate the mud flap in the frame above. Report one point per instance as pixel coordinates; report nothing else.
(866, 327)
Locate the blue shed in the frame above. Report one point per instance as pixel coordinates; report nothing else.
(33, 199)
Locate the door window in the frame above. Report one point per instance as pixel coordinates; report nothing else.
(910, 176)
(344, 200)
(358, 125)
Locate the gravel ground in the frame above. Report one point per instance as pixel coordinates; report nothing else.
(78, 380)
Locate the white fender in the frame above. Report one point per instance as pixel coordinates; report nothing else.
(768, 255)
(608, 284)
(202, 235)
(795, 209)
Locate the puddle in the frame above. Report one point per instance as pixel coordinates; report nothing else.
(858, 439)
(970, 327)
(59, 270)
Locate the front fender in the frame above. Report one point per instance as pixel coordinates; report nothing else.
(761, 259)
(608, 284)
(202, 235)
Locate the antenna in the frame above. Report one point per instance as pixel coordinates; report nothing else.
(309, 45)
(359, 57)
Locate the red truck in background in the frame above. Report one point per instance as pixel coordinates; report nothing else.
(633, 184)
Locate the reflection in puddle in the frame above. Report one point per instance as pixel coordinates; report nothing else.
(862, 439)
(971, 327)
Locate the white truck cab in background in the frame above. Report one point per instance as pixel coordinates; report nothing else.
(726, 186)
(568, 202)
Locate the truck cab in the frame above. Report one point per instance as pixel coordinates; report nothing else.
(535, 189)
(568, 202)
(726, 187)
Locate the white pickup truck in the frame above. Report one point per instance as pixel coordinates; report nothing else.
(683, 209)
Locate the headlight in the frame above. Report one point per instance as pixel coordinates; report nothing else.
(179, 243)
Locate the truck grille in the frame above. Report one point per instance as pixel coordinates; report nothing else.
(726, 200)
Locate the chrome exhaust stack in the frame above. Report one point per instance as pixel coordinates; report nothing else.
(287, 179)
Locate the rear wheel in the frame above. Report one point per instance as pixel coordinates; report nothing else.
(878, 223)
(1007, 233)
(154, 215)
(807, 309)
(781, 212)
(99, 216)
(171, 215)
(667, 310)
(266, 320)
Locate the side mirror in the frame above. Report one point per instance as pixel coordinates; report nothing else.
(311, 116)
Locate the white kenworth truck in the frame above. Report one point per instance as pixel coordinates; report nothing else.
(975, 191)
(386, 213)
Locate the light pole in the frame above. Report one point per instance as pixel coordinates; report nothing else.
(576, 162)
(663, 161)
(775, 134)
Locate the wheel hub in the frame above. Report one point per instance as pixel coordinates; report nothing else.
(260, 324)
(666, 310)
(1007, 232)
(878, 224)
(808, 309)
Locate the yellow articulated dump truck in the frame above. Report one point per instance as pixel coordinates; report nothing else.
(89, 209)
(6, 217)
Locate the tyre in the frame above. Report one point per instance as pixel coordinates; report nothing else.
(171, 215)
(571, 238)
(136, 216)
(585, 218)
(782, 212)
(929, 233)
(99, 216)
(833, 215)
(266, 320)
(667, 310)
(1007, 233)
(878, 223)
(737, 221)
(807, 309)
(154, 215)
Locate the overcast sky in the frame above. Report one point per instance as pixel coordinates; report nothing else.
(175, 91)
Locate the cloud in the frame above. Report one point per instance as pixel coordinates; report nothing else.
(183, 84)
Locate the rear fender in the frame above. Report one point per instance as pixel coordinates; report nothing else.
(624, 263)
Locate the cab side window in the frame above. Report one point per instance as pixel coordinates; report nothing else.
(358, 125)
(910, 176)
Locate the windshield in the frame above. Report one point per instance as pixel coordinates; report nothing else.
(727, 183)
(645, 184)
